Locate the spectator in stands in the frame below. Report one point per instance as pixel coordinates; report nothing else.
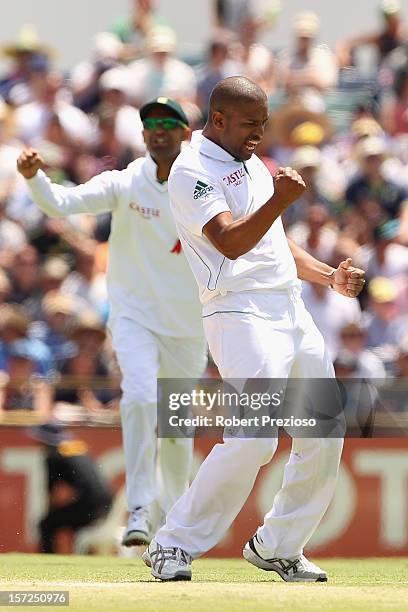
(307, 160)
(115, 93)
(255, 61)
(32, 119)
(394, 107)
(353, 338)
(308, 69)
(85, 367)
(52, 273)
(25, 389)
(316, 234)
(110, 153)
(15, 325)
(85, 282)
(24, 275)
(68, 461)
(28, 56)
(229, 14)
(218, 65)
(371, 185)
(392, 34)
(160, 73)
(383, 312)
(345, 364)
(106, 54)
(134, 30)
(58, 311)
(362, 125)
(385, 257)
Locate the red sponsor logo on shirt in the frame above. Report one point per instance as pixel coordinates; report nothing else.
(236, 178)
(144, 211)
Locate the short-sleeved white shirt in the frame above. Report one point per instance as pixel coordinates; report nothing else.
(206, 180)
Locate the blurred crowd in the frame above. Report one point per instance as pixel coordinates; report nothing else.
(344, 130)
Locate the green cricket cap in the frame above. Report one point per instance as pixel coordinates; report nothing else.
(168, 103)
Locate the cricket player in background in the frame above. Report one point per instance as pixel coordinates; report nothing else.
(228, 210)
(155, 318)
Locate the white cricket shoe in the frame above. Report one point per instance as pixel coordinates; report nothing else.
(298, 569)
(168, 563)
(137, 532)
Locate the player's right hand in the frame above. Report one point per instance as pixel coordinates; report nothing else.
(29, 162)
(289, 186)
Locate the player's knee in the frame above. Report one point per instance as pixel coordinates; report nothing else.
(258, 451)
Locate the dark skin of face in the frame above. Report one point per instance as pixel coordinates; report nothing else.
(238, 128)
(164, 145)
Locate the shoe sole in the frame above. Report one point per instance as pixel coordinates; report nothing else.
(260, 563)
(136, 538)
(177, 578)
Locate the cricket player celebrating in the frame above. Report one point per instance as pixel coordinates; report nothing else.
(155, 317)
(227, 209)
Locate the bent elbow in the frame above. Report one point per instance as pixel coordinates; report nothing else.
(230, 252)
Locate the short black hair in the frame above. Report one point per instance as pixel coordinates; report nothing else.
(232, 91)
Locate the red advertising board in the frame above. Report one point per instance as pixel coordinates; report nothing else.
(368, 515)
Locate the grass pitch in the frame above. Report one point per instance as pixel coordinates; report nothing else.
(231, 585)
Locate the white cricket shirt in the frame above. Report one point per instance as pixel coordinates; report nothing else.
(206, 180)
(148, 278)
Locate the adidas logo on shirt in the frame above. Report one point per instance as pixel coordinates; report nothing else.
(201, 189)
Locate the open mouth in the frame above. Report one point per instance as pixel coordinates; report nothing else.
(251, 145)
(160, 142)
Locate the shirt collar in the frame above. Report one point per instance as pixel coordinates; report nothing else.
(210, 149)
(150, 167)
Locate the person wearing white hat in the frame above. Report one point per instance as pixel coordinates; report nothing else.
(160, 73)
(115, 88)
(308, 68)
(155, 319)
(28, 56)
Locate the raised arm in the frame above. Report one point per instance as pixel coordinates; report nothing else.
(346, 279)
(234, 238)
(94, 197)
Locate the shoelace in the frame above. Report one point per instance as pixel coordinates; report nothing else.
(161, 554)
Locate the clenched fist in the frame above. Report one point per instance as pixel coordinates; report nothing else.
(347, 279)
(289, 186)
(29, 162)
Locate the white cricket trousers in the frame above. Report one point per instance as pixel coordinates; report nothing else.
(259, 335)
(144, 356)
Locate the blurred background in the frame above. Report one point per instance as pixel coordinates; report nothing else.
(71, 84)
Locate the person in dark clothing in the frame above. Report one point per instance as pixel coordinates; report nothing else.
(68, 460)
(371, 184)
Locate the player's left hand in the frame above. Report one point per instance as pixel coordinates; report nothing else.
(348, 280)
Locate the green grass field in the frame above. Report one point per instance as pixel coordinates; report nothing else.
(117, 584)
